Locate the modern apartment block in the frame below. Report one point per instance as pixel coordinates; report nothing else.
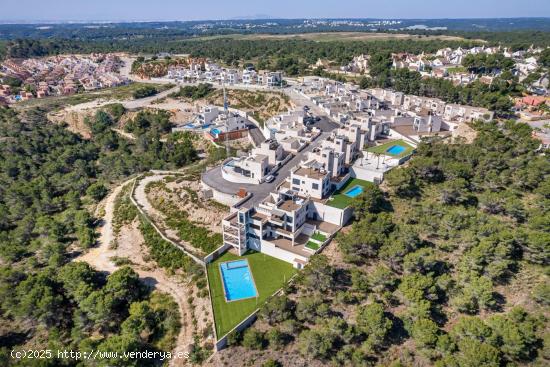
(296, 219)
(287, 224)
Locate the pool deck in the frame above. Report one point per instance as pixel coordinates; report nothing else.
(340, 200)
(354, 195)
(227, 315)
(225, 286)
(383, 148)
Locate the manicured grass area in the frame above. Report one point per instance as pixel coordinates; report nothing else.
(312, 245)
(340, 200)
(319, 237)
(383, 149)
(269, 275)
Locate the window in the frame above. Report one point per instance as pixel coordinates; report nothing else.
(295, 181)
(295, 188)
(315, 186)
(289, 219)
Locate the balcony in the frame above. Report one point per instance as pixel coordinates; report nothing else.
(277, 221)
(231, 232)
(232, 241)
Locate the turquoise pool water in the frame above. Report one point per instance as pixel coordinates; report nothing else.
(237, 280)
(396, 150)
(215, 131)
(354, 191)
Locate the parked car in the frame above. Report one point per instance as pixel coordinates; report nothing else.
(269, 178)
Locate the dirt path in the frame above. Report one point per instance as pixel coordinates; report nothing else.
(128, 104)
(98, 257)
(141, 196)
(131, 246)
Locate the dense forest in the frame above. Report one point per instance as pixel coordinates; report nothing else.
(229, 49)
(447, 265)
(48, 179)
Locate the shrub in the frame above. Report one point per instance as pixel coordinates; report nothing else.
(272, 363)
(97, 191)
(253, 339)
(145, 91)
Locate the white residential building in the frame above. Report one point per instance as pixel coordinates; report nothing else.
(272, 150)
(207, 115)
(249, 77)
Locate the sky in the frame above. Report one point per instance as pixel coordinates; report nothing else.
(144, 10)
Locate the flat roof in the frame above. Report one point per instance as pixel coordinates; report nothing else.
(309, 172)
(257, 157)
(289, 205)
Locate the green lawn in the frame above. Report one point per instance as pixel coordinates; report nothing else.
(383, 149)
(269, 275)
(312, 245)
(339, 199)
(319, 237)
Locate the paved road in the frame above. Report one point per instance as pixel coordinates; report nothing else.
(256, 134)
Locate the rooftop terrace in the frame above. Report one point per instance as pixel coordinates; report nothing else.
(310, 172)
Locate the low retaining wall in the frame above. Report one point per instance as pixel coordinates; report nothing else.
(367, 174)
(222, 197)
(222, 342)
(216, 253)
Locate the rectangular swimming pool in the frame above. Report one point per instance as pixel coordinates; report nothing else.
(354, 191)
(237, 280)
(396, 149)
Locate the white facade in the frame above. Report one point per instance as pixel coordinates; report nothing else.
(272, 150)
(251, 169)
(308, 181)
(208, 115)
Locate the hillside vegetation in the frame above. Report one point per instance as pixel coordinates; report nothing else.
(448, 266)
(50, 178)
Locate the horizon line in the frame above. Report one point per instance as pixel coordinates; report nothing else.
(244, 18)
